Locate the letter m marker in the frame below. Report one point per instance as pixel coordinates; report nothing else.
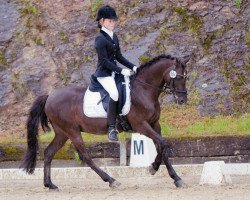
(138, 149)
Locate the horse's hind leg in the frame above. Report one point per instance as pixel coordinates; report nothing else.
(57, 143)
(81, 149)
(153, 168)
(158, 160)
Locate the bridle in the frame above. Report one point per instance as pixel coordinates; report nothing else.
(173, 76)
(167, 88)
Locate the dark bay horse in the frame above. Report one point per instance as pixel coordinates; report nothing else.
(64, 110)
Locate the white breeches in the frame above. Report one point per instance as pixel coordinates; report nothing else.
(108, 83)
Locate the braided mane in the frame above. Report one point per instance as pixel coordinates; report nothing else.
(153, 61)
(156, 59)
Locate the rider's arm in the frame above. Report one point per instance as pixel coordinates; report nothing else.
(121, 59)
(101, 49)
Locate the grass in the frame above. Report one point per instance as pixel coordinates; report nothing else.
(222, 125)
(17, 84)
(208, 41)
(209, 127)
(38, 40)
(183, 124)
(6, 138)
(86, 58)
(247, 37)
(176, 122)
(63, 37)
(29, 9)
(238, 3)
(65, 78)
(219, 125)
(192, 22)
(94, 6)
(3, 61)
(144, 59)
(45, 138)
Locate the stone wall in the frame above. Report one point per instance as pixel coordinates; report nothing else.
(45, 45)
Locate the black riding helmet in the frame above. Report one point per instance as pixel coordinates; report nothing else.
(106, 12)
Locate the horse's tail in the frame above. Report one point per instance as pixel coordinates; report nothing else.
(36, 115)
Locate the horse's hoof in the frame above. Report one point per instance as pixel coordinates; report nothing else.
(54, 189)
(51, 187)
(151, 170)
(180, 184)
(114, 184)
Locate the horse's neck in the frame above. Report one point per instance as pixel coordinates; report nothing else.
(151, 81)
(153, 75)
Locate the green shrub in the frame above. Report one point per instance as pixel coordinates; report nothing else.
(238, 3)
(3, 61)
(29, 9)
(144, 59)
(94, 6)
(63, 36)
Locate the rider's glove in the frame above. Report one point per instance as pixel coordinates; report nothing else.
(134, 69)
(126, 72)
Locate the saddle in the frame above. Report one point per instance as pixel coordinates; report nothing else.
(95, 86)
(96, 100)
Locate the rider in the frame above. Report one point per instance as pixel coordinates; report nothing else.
(108, 51)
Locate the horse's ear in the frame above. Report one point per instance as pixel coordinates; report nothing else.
(186, 59)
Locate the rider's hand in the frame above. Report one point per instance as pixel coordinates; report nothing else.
(135, 69)
(126, 72)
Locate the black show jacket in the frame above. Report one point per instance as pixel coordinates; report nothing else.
(109, 52)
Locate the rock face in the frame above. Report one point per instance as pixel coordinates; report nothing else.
(9, 16)
(45, 45)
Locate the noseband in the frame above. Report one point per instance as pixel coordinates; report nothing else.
(171, 87)
(168, 89)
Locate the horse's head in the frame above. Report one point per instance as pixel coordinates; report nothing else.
(175, 78)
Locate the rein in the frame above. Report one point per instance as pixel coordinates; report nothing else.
(167, 89)
(152, 86)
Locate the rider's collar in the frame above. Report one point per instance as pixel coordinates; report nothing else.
(110, 33)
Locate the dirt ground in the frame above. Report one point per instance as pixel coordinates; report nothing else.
(132, 188)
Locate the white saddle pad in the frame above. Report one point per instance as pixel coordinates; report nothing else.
(94, 110)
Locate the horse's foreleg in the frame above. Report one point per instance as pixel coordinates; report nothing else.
(177, 180)
(163, 149)
(81, 149)
(57, 143)
(163, 154)
(154, 134)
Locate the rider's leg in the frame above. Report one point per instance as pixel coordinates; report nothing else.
(109, 85)
(112, 113)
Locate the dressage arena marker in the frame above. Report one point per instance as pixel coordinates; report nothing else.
(123, 153)
(215, 173)
(143, 151)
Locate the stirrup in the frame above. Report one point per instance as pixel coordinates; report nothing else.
(112, 135)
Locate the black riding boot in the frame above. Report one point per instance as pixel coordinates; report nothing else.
(112, 113)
